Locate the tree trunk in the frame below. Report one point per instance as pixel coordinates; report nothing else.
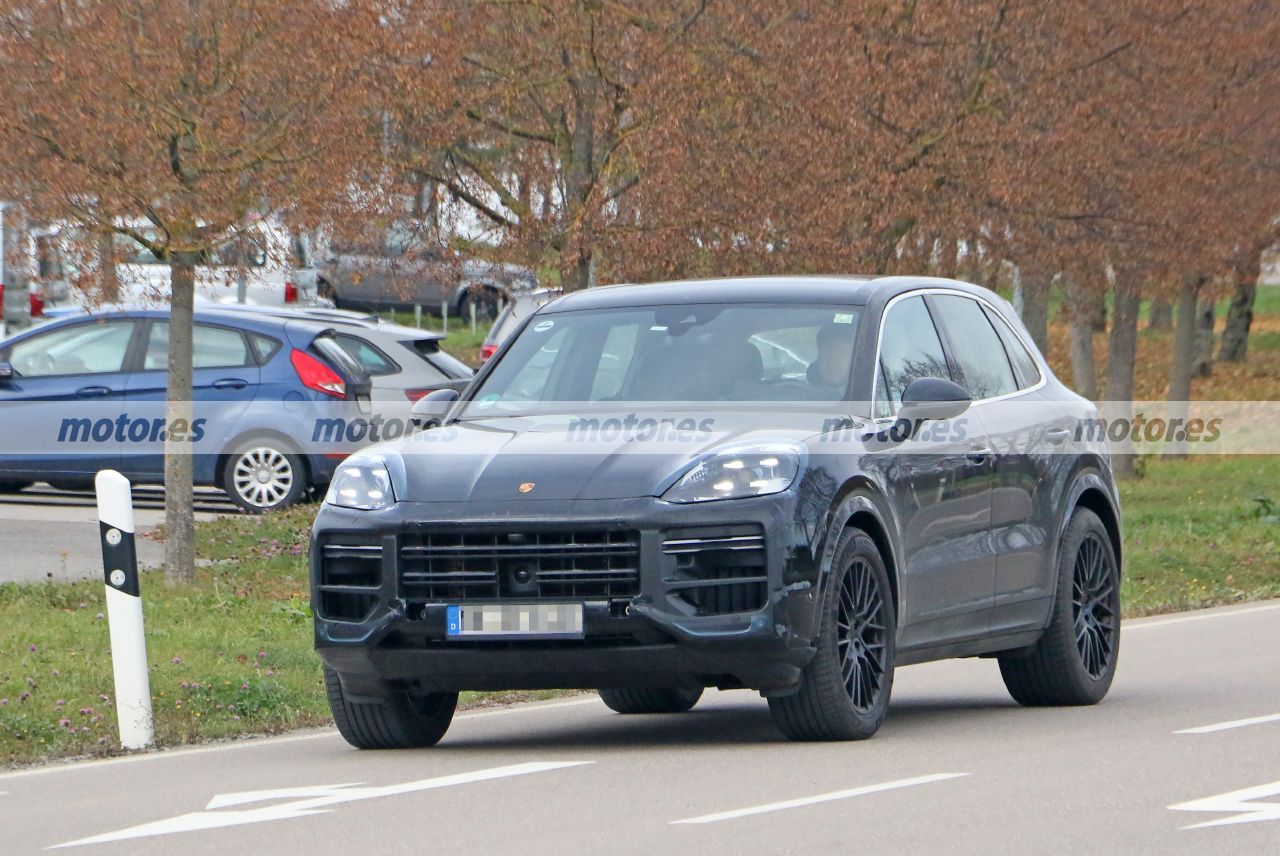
(1184, 349)
(1205, 317)
(1080, 341)
(179, 517)
(578, 273)
(1097, 302)
(1031, 296)
(108, 282)
(1161, 317)
(1122, 353)
(1235, 336)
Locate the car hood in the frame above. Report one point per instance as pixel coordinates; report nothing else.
(552, 459)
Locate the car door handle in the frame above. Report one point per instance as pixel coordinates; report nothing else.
(93, 391)
(1057, 435)
(230, 383)
(978, 456)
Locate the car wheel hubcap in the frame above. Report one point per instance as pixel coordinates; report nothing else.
(860, 635)
(263, 477)
(1093, 596)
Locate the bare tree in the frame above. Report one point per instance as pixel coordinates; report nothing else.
(187, 116)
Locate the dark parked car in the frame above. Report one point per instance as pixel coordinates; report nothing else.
(859, 474)
(256, 381)
(402, 270)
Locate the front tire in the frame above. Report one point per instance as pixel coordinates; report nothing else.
(263, 476)
(844, 690)
(672, 700)
(1075, 660)
(402, 721)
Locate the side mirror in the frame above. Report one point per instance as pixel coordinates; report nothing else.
(429, 411)
(933, 398)
(6, 374)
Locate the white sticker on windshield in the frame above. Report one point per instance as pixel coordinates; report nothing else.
(543, 326)
(843, 318)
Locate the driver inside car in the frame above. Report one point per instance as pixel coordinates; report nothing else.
(828, 374)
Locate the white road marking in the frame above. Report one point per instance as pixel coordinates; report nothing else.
(1240, 803)
(310, 800)
(260, 742)
(1140, 624)
(1227, 726)
(820, 798)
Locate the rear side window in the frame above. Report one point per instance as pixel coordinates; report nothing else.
(909, 349)
(211, 348)
(979, 355)
(369, 357)
(264, 347)
(1024, 365)
(327, 347)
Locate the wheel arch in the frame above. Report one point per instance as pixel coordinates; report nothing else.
(861, 505)
(1089, 484)
(1094, 499)
(460, 293)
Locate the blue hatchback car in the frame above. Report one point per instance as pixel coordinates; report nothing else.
(257, 381)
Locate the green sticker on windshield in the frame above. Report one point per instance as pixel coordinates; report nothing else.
(843, 318)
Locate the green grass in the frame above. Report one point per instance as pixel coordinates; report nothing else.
(230, 654)
(1195, 536)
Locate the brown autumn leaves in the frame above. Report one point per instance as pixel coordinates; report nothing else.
(1129, 147)
(650, 138)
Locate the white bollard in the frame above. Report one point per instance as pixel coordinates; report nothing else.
(124, 610)
(417, 315)
(444, 314)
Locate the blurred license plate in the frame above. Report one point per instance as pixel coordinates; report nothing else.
(544, 620)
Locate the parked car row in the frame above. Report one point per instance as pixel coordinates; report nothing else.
(260, 351)
(400, 268)
(245, 359)
(268, 265)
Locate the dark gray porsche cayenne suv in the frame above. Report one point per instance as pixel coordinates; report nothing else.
(792, 485)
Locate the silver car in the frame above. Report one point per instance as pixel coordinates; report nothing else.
(404, 363)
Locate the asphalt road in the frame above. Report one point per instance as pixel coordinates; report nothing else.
(958, 768)
(53, 534)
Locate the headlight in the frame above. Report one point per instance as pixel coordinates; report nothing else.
(738, 473)
(365, 485)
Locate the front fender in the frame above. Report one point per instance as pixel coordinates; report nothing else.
(861, 499)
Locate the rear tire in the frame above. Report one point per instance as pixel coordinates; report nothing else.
(14, 486)
(674, 700)
(402, 721)
(844, 690)
(1075, 660)
(245, 469)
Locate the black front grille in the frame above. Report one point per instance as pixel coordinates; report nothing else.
(350, 575)
(717, 569)
(459, 565)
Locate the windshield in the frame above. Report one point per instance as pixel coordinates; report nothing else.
(697, 353)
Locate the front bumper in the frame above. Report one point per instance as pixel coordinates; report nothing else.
(651, 637)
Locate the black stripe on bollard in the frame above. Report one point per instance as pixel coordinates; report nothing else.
(119, 559)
